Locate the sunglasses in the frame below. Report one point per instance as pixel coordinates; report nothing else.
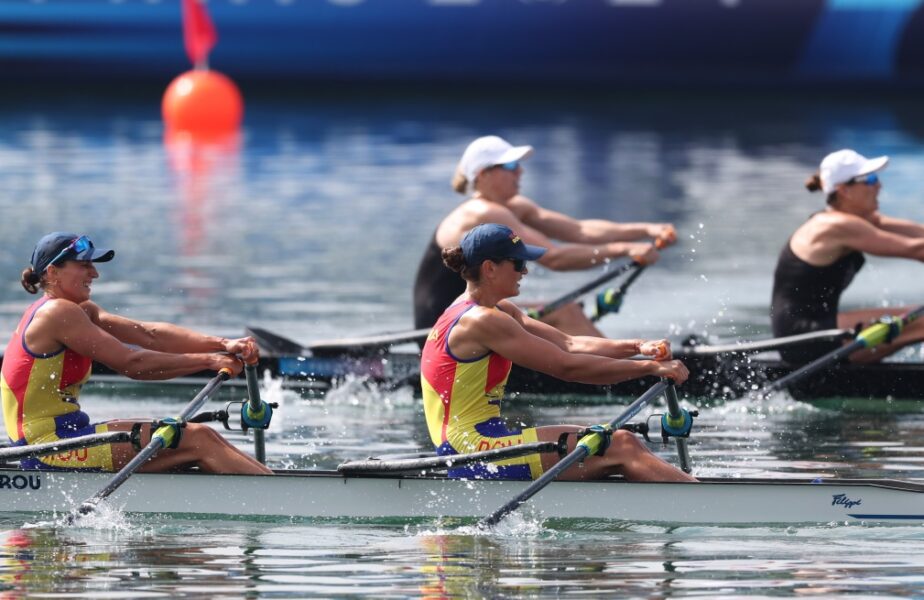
(871, 179)
(81, 244)
(519, 265)
(513, 165)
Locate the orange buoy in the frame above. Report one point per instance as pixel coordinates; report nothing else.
(202, 102)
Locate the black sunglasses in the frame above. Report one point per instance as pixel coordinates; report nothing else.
(519, 265)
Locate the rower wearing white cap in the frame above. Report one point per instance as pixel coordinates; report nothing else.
(491, 168)
(821, 258)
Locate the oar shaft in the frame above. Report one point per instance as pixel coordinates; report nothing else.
(256, 405)
(762, 345)
(816, 365)
(64, 445)
(157, 442)
(444, 462)
(579, 453)
(577, 293)
(621, 291)
(870, 337)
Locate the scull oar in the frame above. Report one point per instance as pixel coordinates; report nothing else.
(825, 335)
(887, 329)
(64, 445)
(576, 293)
(588, 445)
(163, 437)
(386, 465)
(610, 301)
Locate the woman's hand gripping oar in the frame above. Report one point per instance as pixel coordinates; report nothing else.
(886, 330)
(163, 437)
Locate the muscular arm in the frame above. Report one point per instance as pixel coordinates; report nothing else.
(568, 257)
(901, 226)
(858, 234)
(64, 323)
(578, 344)
(498, 331)
(586, 231)
(162, 337)
(574, 257)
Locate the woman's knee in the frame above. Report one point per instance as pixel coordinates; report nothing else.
(625, 443)
(197, 435)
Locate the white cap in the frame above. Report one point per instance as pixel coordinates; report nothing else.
(488, 151)
(844, 165)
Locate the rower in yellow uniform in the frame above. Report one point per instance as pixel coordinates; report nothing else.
(469, 353)
(50, 356)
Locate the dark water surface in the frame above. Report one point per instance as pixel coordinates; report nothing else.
(312, 225)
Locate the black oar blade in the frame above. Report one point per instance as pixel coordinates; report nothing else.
(272, 344)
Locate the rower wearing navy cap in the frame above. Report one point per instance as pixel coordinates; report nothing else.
(469, 353)
(51, 353)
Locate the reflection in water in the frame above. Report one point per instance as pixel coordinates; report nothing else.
(201, 166)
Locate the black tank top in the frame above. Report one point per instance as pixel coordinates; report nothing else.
(806, 298)
(435, 287)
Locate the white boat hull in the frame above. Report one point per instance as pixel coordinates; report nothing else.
(324, 494)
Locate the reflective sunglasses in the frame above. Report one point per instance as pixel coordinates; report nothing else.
(513, 165)
(871, 179)
(81, 244)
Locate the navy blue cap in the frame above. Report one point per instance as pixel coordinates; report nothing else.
(59, 245)
(491, 241)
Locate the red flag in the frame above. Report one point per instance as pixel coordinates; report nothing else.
(198, 32)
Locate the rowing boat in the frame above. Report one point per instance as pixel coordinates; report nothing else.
(329, 494)
(416, 487)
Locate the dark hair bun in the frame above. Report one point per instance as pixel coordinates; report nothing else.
(813, 183)
(30, 280)
(453, 258)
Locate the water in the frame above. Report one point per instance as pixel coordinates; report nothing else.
(312, 226)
